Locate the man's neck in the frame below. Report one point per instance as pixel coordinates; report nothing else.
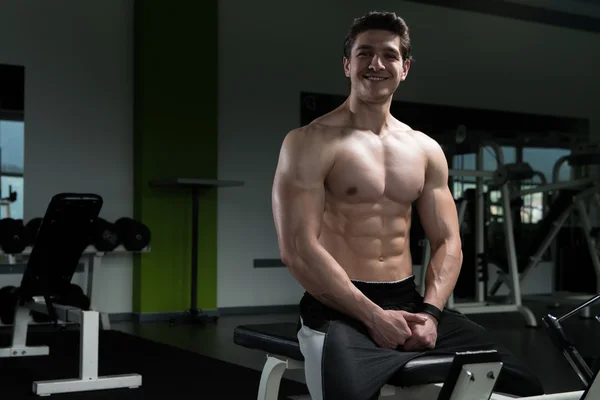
(375, 117)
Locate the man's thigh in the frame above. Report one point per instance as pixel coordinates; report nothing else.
(343, 362)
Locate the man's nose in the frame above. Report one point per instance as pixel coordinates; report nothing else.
(376, 63)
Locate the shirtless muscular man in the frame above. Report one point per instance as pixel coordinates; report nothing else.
(343, 194)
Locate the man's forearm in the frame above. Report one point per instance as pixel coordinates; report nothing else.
(442, 272)
(320, 274)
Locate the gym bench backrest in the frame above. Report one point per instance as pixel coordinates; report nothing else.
(63, 235)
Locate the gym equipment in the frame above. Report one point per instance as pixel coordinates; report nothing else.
(7, 201)
(194, 315)
(569, 200)
(106, 236)
(133, 234)
(483, 303)
(13, 235)
(462, 376)
(63, 236)
(33, 227)
(8, 302)
(564, 345)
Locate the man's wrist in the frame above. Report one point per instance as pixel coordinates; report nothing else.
(431, 310)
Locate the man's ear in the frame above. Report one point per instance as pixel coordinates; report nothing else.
(346, 63)
(405, 69)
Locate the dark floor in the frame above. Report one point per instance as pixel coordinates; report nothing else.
(529, 344)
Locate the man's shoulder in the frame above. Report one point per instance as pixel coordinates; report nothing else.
(316, 131)
(426, 142)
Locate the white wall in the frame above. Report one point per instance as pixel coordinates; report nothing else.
(78, 58)
(270, 51)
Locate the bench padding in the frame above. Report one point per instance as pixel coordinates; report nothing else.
(280, 339)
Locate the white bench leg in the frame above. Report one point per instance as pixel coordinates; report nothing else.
(18, 347)
(272, 373)
(88, 379)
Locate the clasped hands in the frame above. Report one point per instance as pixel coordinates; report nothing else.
(396, 329)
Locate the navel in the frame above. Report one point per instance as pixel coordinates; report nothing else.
(351, 191)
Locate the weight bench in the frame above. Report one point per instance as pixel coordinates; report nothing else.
(62, 237)
(462, 376)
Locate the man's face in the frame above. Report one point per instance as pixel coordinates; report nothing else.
(375, 66)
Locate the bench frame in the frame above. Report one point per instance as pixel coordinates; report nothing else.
(88, 379)
(466, 387)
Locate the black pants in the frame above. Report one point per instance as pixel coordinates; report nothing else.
(343, 362)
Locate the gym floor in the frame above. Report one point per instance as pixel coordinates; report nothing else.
(529, 344)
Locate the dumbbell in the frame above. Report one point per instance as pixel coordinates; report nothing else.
(105, 236)
(13, 235)
(134, 235)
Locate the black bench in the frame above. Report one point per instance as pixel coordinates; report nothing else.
(61, 239)
(429, 372)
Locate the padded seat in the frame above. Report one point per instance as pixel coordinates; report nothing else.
(280, 339)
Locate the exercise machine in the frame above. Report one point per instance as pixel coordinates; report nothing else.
(502, 178)
(568, 202)
(461, 376)
(62, 237)
(6, 202)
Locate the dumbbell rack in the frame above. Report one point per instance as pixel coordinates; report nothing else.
(90, 274)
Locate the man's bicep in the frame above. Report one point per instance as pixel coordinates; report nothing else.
(298, 196)
(297, 211)
(437, 212)
(436, 205)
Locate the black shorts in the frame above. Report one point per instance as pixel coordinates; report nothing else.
(341, 361)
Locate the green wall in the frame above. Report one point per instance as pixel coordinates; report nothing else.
(175, 123)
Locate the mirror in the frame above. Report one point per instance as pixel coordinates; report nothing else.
(12, 140)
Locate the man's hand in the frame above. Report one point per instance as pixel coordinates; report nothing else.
(390, 328)
(424, 336)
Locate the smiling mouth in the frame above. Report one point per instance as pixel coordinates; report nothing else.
(375, 78)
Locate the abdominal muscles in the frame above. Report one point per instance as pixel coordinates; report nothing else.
(370, 241)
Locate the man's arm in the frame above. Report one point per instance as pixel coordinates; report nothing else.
(439, 218)
(298, 200)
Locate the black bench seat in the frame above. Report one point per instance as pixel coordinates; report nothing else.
(279, 339)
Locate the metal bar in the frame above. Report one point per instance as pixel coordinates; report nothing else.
(20, 327)
(575, 184)
(479, 231)
(557, 166)
(64, 313)
(579, 308)
(194, 288)
(537, 256)
(88, 345)
(513, 268)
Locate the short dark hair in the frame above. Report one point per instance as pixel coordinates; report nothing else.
(387, 21)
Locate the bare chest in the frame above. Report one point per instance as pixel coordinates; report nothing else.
(369, 171)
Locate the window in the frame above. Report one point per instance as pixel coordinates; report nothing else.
(11, 175)
(544, 159)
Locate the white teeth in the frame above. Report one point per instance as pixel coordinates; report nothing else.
(373, 78)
